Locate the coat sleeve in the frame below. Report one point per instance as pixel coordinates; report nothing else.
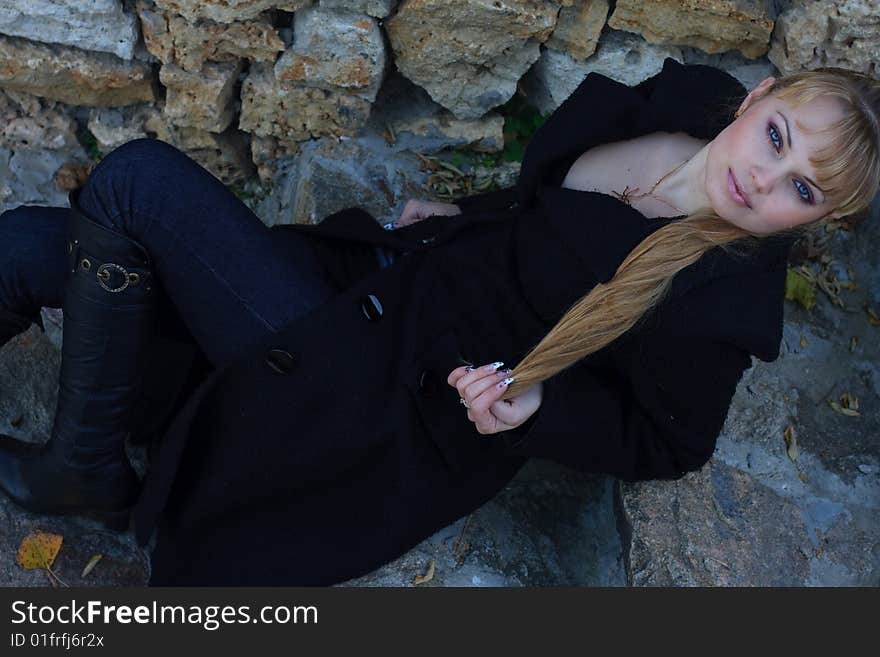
(654, 413)
(501, 199)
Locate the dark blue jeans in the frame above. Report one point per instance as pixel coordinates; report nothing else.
(219, 267)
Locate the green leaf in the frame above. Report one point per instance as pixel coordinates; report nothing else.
(799, 289)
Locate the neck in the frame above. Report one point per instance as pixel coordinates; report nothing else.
(686, 188)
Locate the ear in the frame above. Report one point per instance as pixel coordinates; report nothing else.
(756, 93)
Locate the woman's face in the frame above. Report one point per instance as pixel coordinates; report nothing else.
(758, 171)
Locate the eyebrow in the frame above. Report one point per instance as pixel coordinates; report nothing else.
(788, 137)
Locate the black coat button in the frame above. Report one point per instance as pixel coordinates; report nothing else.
(371, 307)
(279, 360)
(428, 382)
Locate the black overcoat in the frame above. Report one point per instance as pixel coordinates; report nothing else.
(336, 445)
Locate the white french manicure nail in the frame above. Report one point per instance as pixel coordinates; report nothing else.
(496, 365)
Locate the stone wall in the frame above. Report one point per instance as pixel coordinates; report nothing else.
(240, 85)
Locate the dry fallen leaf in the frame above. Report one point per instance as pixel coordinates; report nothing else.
(790, 443)
(873, 318)
(38, 550)
(852, 344)
(804, 341)
(848, 405)
(427, 577)
(91, 564)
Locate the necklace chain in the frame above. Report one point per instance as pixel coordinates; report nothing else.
(628, 195)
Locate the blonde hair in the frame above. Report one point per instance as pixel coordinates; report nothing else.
(644, 277)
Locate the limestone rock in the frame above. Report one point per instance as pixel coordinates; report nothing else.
(112, 126)
(749, 72)
(173, 39)
(204, 100)
(419, 124)
(843, 33)
(227, 11)
(100, 25)
(29, 122)
(578, 28)
(468, 54)
(711, 25)
(621, 56)
(334, 51)
(375, 8)
(72, 75)
(272, 108)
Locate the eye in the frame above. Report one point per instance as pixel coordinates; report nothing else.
(773, 136)
(803, 191)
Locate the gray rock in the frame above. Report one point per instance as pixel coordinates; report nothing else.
(100, 25)
(227, 11)
(376, 8)
(843, 33)
(72, 75)
(463, 54)
(334, 51)
(620, 56)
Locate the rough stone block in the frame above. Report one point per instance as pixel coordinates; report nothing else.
(272, 108)
(620, 56)
(711, 25)
(204, 100)
(843, 33)
(578, 28)
(112, 126)
(72, 75)
(227, 11)
(100, 25)
(173, 39)
(334, 51)
(375, 8)
(469, 55)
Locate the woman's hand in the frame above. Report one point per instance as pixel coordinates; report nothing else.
(482, 388)
(416, 209)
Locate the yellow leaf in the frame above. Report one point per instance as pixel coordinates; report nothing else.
(798, 288)
(91, 564)
(790, 442)
(38, 550)
(804, 341)
(427, 577)
(844, 411)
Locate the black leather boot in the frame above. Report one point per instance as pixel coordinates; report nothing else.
(109, 321)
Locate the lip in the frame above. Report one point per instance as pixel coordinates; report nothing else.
(735, 190)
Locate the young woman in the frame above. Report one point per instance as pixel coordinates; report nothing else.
(354, 396)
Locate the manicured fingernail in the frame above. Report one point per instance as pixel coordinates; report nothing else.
(506, 382)
(506, 370)
(495, 365)
(388, 226)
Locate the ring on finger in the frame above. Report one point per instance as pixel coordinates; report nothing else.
(463, 401)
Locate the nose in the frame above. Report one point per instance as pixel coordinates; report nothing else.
(762, 178)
